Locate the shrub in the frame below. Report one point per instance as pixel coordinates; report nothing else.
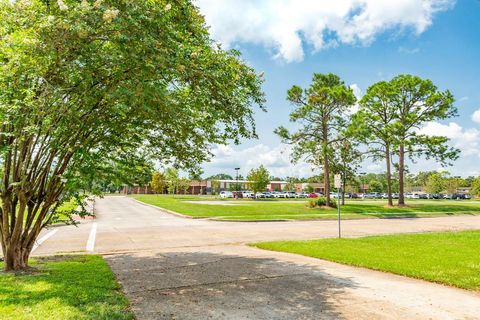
(320, 202)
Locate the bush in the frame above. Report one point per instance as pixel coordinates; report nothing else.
(321, 202)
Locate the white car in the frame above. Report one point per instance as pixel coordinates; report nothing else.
(226, 194)
(248, 194)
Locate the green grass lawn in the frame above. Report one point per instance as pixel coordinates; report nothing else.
(450, 258)
(280, 209)
(63, 287)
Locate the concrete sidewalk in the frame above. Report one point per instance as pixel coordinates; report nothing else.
(239, 282)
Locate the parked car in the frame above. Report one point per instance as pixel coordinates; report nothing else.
(248, 194)
(237, 194)
(422, 196)
(302, 195)
(395, 195)
(226, 194)
(268, 195)
(435, 196)
(455, 196)
(291, 194)
(259, 195)
(372, 195)
(313, 195)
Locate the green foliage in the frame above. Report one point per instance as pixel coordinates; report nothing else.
(158, 182)
(435, 183)
(220, 176)
(183, 185)
(215, 187)
(86, 86)
(308, 188)
(430, 256)
(63, 287)
(258, 179)
(321, 202)
(321, 111)
(475, 191)
(171, 174)
(375, 186)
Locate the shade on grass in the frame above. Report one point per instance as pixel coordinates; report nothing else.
(63, 287)
(450, 258)
(280, 209)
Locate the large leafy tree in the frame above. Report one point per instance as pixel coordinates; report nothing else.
(346, 162)
(373, 125)
(258, 179)
(86, 84)
(321, 113)
(416, 102)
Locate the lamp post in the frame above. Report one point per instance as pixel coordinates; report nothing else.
(363, 183)
(236, 185)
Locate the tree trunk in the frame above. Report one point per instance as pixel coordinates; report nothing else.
(344, 183)
(389, 175)
(16, 257)
(401, 169)
(326, 178)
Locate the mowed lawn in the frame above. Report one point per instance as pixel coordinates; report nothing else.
(450, 258)
(287, 209)
(63, 287)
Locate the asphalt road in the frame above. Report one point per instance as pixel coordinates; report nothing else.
(177, 268)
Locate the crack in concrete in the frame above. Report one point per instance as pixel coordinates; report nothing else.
(263, 277)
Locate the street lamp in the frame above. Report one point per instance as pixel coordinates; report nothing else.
(363, 182)
(236, 186)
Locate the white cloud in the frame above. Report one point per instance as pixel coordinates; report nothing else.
(286, 25)
(476, 116)
(408, 50)
(358, 94)
(276, 160)
(465, 139)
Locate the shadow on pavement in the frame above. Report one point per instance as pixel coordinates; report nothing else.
(203, 285)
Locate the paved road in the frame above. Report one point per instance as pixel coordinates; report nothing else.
(176, 268)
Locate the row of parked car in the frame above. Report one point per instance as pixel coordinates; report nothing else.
(273, 194)
(413, 195)
(370, 195)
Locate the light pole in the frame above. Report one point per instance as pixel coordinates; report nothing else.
(236, 185)
(363, 182)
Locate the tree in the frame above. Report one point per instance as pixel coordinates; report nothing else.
(308, 188)
(320, 110)
(452, 184)
(347, 161)
(258, 179)
(373, 125)
(183, 185)
(416, 102)
(158, 182)
(220, 176)
(171, 174)
(84, 86)
(435, 183)
(215, 187)
(475, 191)
(375, 186)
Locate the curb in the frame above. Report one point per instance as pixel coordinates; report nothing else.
(168, 211)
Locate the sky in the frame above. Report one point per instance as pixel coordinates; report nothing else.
(362, 41)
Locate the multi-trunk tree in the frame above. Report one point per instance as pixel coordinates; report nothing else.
(86, 84)
(321, 113)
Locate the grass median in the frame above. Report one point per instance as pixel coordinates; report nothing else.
(447, 257)
(63, 287)
(290, 209)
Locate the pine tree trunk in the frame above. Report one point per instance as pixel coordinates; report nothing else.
(389, 175)
(326, 178)
(401, 169)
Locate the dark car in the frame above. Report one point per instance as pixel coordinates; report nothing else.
(435, 196)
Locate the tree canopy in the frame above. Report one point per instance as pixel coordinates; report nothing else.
(87, 84)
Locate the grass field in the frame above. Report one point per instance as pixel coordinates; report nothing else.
(63, 287)
(448, 258)
(285, 209)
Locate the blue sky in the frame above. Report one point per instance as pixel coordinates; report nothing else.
(363, 42)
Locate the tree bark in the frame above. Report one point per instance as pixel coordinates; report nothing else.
(326, 178)
(389, 175)
(401, 169)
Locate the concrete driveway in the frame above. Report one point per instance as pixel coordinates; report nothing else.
(176, 268)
